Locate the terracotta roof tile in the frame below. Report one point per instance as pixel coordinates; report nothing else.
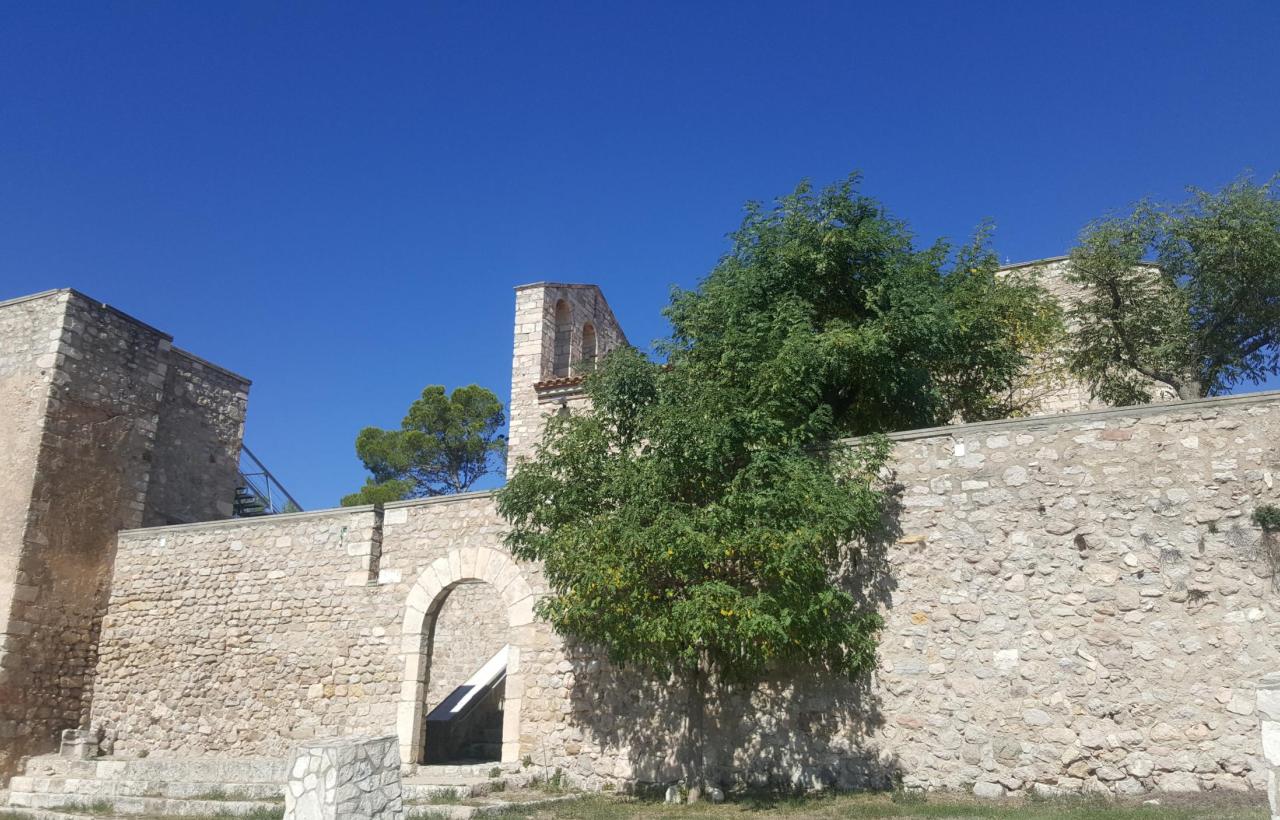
(558, 381)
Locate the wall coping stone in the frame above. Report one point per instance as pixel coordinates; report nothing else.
(187, 354)
(1048, 260)
(327, 512)
(545, 284)
(1063, 419)
(31, 297)
(225, 523)
(437, 499)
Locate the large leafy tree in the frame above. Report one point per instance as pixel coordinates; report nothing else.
(1186, 296)
(699, 520)
(444, 445)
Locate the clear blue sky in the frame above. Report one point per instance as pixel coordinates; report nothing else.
(336, 199)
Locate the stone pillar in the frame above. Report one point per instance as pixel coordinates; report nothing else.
(350, 778)
(1269, 715)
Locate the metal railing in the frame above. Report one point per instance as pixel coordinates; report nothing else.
(260, 492)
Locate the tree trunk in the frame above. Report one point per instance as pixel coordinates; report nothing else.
(696, 737)
(1189, 389)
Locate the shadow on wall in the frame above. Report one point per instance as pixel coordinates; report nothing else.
(797, 730)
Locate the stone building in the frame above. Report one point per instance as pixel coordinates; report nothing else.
(1073, 602)
(106, 426)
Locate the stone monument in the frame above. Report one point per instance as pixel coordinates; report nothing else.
(349, 778)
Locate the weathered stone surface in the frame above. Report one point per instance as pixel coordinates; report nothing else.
(106, 426)
(1101, 663)
(354, 778)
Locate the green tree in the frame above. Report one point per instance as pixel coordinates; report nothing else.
(1185, 295)
(444, 445)
(702, 518)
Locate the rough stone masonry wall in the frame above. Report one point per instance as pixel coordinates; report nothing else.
(30, 329)
(194, 471)
(246, 636)
(90, 480)
(1079, 601)
(1072, 603)
(97, 400)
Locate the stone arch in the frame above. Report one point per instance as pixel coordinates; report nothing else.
(563, 345)
(425, 598)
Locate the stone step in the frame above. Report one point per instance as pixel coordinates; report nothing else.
(425, 792)
(151, 806)
(168, 769)
(92, 787)
(495, 807)
(444, 771)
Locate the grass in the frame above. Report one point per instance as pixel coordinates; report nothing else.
(448, 797)
(1232, 806)
(104, 808)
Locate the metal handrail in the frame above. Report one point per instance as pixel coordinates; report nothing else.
(264, 490)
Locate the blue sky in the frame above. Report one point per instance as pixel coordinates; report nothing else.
(337, 199)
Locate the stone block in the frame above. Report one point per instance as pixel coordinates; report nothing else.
(350, 778)
(79, 744)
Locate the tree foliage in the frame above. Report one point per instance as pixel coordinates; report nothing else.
(699, 519)
(444, 445)
(1186, 296)
(826, 302)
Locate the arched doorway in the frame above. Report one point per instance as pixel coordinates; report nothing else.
(466, 677)
(466, 575)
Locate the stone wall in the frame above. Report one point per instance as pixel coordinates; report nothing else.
(30, 330)
(94, 411)
(1046, 386)
(245, 636)
(1072, 603)
(194, 472)
(90, 480)
(1078, 601)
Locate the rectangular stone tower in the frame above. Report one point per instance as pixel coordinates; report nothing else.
(560, 332)
(106, 426)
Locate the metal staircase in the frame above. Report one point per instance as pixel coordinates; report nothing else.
(260, 493)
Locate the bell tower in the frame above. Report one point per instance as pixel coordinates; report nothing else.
(560, 332)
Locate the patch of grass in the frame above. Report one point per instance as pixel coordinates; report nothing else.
(263, 813)
(421, 813)
(921, 807)
(8, 814)
(257, 814)
(448, 797)
(555, 784)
